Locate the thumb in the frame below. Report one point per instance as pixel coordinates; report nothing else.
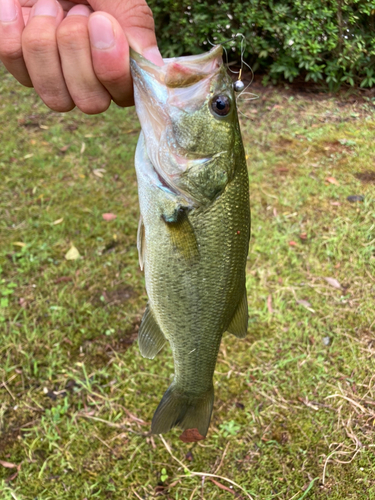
(135, 18)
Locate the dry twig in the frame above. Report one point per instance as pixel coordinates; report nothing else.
(222, 457)
(202, 474)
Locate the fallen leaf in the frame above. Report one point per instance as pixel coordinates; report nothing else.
(43, 127)
(158, 489)
(333, 282)
(221, 486)
(332, 180)
(63, 279)
(58, 221)
(269, 304)
(335, 203)
(99, 172)
(19, 244)
(12, 477)
(306, 304)
(72, 254)
(8, 465)
(23, 303)
(131, 131)
(64, 149)
(191, 436)
(109, 217)
(26, 157)
(83, 147)
(292, 244)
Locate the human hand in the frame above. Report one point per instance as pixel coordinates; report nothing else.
(73, 56)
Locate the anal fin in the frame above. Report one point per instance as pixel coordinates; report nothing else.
(150, 337)
(238, 325)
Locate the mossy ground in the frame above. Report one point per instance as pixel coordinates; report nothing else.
(295, 402)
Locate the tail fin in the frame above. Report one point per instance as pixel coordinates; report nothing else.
(188, 412)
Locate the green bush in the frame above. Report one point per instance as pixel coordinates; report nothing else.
(322, 40)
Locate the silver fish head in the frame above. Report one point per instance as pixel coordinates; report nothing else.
(188, 115)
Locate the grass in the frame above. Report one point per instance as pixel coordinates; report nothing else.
(294, 412)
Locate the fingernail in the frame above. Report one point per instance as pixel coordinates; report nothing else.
(46, 8)
(101, 32)
(8, 11)
(79, 10)
(153, 55)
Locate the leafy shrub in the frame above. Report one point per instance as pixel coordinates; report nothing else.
(322, 40)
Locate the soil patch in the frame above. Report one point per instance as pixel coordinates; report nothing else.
(368, 176)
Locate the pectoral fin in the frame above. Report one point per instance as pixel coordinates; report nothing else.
(150, 337)
(141, 243)
(182, 234)
(238, 325)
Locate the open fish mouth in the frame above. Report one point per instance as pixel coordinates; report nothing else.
(163, 94)
(178, 72)
(177, 84)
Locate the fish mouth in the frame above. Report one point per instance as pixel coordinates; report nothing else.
(176, 73)
(180, 85)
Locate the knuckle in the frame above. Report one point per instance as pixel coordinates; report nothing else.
(72, 34)
(10, 52)
(142, 15)
(37, 41)
(113, 77)
(94, 103)
(60, 106)
(54, 96)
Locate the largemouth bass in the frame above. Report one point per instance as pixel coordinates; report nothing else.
(195, 225)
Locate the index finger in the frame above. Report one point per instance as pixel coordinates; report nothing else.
(110, 57)
(11, 28)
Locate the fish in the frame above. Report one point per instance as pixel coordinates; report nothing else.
(194, 229)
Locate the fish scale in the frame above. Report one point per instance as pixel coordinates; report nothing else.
(194, 232)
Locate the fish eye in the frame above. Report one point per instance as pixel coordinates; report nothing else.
(220, 105)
